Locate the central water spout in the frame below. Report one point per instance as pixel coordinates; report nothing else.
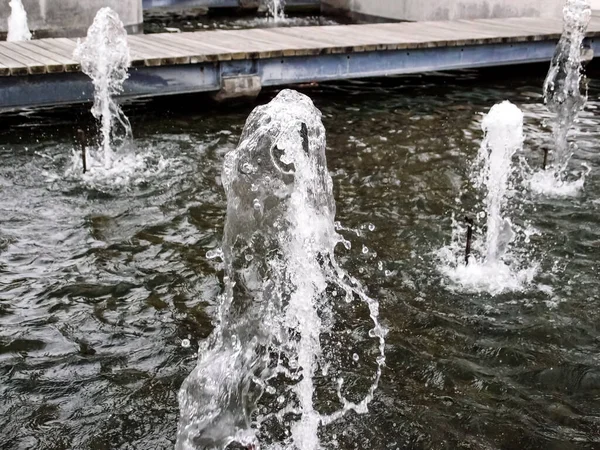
(491, 264)
(503, 128)
(104, 57)
(278, 250)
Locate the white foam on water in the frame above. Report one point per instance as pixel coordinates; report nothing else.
(547, 182)
(494, 278)
(127, 169)
(18, 30)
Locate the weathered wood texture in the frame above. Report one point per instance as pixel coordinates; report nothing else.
(56, 55)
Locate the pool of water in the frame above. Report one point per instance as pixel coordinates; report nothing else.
(102, 280)
(164, 20)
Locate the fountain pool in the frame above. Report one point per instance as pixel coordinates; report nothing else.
(106, 291)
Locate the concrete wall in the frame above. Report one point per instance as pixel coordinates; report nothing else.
(418, 10)
(71, 18)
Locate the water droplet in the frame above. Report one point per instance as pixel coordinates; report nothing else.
(371, 227)
(249, 258)
(185, 343)
(388, 273)
(248, 168)
(213, 254)
(365, 249)
(355, 357)
(256, 204)
(380, 265)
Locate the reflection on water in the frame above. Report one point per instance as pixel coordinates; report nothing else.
(99, 288)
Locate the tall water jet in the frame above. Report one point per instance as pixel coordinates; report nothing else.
(18, 30)
(503, 128)
(565, 96)
(104, 57)
(490, 267)
(276, 9)
(281, 284)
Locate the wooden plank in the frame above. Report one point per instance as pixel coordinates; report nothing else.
(468, 34)
(59, 52)
(56, 54)
(154, 51)
(224, 46)
(14, 67)
(4, 70)
(54, 63)
(197, 51)
(537, 27)
(236, 44)
(71, 44)
(509, 33)
(414, 35)
(333, 42)
(25, 63)
(291, 45)
(389, 39)
(257, 46)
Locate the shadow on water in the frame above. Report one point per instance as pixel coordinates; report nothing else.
(98, 287)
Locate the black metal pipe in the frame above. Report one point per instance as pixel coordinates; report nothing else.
(81, 139)
(470, 224)
(545, 158)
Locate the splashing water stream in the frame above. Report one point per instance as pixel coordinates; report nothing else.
(565, 96)
(278, 251)
(490, 269)
(17, 22)
(503, 128)
(276, 9)
(104, 57)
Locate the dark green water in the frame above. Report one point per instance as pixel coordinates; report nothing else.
(165, 20)
(100, 285)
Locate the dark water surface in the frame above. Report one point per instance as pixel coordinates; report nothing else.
(161, 20)
(99, 285)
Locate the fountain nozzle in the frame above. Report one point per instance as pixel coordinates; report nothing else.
(470, 224)
(81, 140)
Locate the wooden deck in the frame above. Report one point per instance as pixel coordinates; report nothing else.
(164, 64)
(56, 55)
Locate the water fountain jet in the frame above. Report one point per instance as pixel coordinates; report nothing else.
(276, 9)
(17, 22)
(487, 262)
(278, 250)
(104, 57)
(565, 96)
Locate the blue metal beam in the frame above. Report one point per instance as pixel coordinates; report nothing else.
(69, 88)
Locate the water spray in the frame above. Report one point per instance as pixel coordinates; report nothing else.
(282, 288)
